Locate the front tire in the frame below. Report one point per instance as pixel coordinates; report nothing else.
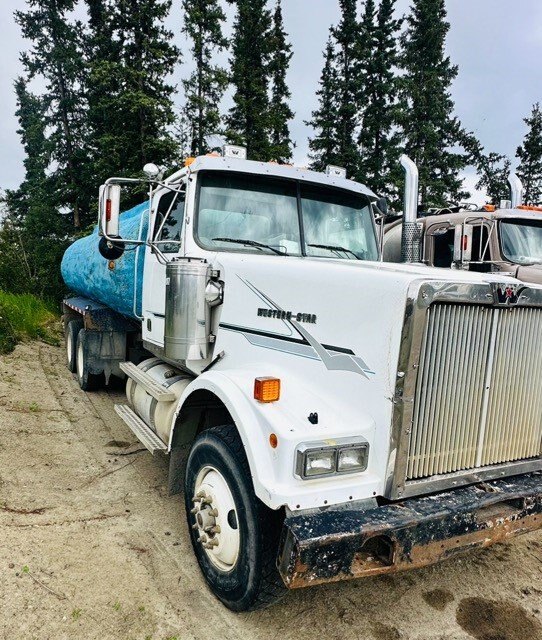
(87, 381)
(235, 536)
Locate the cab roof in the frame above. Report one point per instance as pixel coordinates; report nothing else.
(499, 214)
(217, 163)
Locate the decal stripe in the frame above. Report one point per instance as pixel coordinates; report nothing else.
(278, 336)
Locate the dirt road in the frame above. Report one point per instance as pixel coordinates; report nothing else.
(91, 546)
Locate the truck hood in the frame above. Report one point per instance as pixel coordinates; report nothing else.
(415, 270)
(338, 306)
(531, 273)
(332, 331)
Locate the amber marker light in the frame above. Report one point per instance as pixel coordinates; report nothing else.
(273, 441)
(189, 161)
(267, 389)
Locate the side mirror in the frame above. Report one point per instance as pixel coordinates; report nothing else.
(109, 210)
(382, 206)
(151, 171)
(463, 244)
(110, 250)
(109, 214)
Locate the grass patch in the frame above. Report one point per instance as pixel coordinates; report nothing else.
(25, 317)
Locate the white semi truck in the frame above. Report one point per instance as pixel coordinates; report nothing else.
(346, 417)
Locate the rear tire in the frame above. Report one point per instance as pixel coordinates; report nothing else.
(87, 381)
(239, 559)
(71, 331)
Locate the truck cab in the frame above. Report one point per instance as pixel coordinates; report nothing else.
(344, 416)
(503, 240)
(220, 207)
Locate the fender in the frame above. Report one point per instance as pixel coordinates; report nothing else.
(272, 469)
(244, 412)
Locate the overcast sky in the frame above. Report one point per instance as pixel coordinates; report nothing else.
(496, 43)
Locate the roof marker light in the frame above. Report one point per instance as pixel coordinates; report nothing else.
(234, 151)
(335, 172)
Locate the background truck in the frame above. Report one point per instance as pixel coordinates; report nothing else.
(345, 417)
(507, 239)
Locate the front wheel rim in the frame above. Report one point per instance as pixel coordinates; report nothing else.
(216, 522)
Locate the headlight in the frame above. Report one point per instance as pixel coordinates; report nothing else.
(353, 459)
(319, 462)
(330, 457)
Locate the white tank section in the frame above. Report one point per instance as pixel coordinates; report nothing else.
(157, 415)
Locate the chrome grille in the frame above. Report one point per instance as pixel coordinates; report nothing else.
(478, 398)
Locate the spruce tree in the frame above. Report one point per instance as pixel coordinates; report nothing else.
(431, 131)
(130, 58)
(55, 56)
(35, 233)
(494, 169)
(530, 157)
(204, 89)
(348, 87)
(279, 110)
(248, 119)
(102, 53)
(378, 138)
(323, 148)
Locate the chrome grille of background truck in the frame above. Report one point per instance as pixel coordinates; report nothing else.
(478, 398)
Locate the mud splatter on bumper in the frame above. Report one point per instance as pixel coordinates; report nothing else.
(341, 544)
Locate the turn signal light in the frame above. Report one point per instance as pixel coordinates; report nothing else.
(189, 161)
(267, 389)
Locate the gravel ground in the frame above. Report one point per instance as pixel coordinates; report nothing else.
(93, 547)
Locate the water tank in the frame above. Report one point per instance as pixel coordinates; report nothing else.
(88, 274)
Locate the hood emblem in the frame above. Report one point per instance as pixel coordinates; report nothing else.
(507, 295)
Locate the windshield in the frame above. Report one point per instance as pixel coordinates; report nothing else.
(522, 241)
(240, 212)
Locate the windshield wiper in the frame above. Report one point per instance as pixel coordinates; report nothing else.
(252, 243)
(331, 247)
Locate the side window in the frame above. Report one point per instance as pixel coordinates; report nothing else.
(443, 249)
(169, 221)
(480, 250)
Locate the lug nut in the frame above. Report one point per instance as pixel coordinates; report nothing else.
(194, 510)
(212, 543)
(213, 513)
(212, 528)
(195, 526)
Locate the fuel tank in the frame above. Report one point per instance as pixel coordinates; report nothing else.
(88, 274)
(157, 415)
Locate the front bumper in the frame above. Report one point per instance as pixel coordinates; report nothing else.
(339, 544)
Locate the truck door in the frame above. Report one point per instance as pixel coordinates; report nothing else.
(441, 246)
(166, 230)
(481, 258)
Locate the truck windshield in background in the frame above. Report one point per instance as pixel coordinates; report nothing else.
(239, 212)
(522, 241)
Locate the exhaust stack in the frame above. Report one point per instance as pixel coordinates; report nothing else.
(516, 190)
(411, 245)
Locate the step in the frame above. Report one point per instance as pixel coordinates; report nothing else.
(153, 388)
(143, 433)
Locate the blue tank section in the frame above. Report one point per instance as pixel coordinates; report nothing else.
(87, 273)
